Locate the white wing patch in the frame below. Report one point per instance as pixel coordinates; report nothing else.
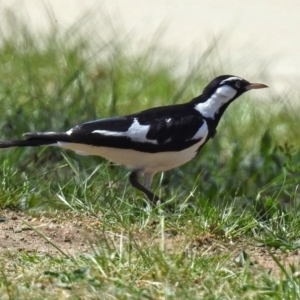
(201, 133)
(136, 132)
(231, 79)
(212, 105)
(69, 132)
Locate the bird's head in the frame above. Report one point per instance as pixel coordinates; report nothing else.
(220, 92)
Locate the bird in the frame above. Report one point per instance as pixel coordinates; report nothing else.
(151, 141)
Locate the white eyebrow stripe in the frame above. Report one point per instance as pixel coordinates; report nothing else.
(231, 79)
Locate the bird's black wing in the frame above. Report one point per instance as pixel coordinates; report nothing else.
(154, 130)
(172, 128)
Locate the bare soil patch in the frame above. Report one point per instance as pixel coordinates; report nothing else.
(76, 233)
(69, 232)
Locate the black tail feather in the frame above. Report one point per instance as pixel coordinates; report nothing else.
(26, 143)
(35, 139)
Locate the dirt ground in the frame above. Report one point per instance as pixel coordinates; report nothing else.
(22, 232)
(70, 233)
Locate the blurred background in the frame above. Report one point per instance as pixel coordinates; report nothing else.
(252, 35)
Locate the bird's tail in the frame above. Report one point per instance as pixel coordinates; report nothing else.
(34, 139)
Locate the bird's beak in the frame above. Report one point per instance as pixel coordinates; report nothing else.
(252, 86)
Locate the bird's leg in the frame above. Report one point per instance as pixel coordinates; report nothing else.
(148, 180)
(133, 179)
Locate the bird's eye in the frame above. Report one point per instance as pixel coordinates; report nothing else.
(238, 84)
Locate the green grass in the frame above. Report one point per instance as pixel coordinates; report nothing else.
(238, 200)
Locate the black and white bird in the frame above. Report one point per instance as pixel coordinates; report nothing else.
(153, 140)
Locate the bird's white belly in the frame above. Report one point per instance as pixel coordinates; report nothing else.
(146, 162)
